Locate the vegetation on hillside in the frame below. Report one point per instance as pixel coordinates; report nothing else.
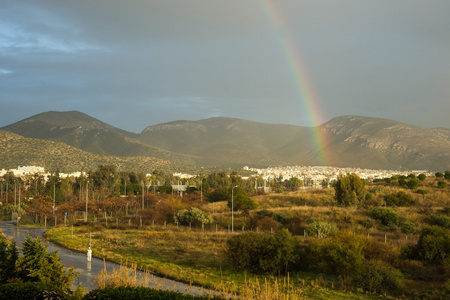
(395, 241)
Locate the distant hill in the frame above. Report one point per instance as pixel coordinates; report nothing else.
(16, 150)
(349, 141)
(89, 134)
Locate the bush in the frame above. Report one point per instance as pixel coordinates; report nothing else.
(414, 183)
(350, 190)
(398, 199)
(194, 216)
(32, 290)
(386, 216)
(321, 229)
(120, 293)
(368, 223)
(422, 177)
(434, 245)
(442, 184)
(408, 228)
(379, 277)
(261, 253)
(357, 261)
(442, 221)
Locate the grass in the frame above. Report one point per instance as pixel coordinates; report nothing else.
(187, 256)
(194, 256)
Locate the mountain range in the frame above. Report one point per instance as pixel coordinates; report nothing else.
(347, 141)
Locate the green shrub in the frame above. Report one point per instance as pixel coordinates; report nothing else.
(261, 253)
(321, 229)
(414, 183)
(442, 184)
(434, 245)
(379, 277)
(386, 216)
(120, 293)
(350, 190)
(194, 216)
(32, 290)
(442, 221)
(358, 261)
(398, 199)
(408, 227)
(368, 223)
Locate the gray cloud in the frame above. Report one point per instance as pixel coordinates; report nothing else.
(134, 64)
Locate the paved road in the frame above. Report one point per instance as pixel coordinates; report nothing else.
(89, 270)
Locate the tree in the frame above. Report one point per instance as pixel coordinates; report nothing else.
(106, 178)
(8, 257)
(447, 174)
(293, 183)
(37, 265)
(350, 190)
(240, 200)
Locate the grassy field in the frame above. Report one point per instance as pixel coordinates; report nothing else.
(188, 256)
(195, 255)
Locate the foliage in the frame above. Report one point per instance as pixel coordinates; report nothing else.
(386, 216)
(398, 199)
(37, 265)
(358, 263)
(408, 227)
(447, 174)
(261, 253)
(349, 190)
(442, 184)
(194, 216)
(434, 245)
(240, 200)
(33, 290)
(128, 292)
(220, 194)
(378, 277)
(439, 220)
(8, 258)
(422, 177)
(321, 229)
(413, 183)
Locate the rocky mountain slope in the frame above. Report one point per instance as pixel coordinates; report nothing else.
(347, 141)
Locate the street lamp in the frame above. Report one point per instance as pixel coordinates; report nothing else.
(232, 208)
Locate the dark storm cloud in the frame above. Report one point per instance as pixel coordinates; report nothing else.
(136, 63)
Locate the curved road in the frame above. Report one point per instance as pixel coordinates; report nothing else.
(89, 270)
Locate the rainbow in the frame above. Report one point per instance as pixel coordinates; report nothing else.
(310, 104)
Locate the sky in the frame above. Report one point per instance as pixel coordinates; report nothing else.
(134, 63)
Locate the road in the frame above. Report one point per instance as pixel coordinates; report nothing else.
(89, 270)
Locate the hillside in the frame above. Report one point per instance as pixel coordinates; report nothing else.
(89, 134)
(348, 141)
(17, 150)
